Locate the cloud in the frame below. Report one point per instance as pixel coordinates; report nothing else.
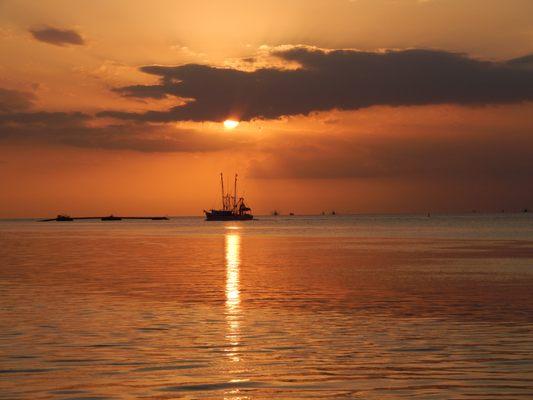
(327, 80)
(20, 124)
(77, 130)
(58, 37)
(523, 62)
(14, 100)
(43, 118)
(463, 155)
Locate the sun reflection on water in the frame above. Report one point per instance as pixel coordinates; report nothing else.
(233, 243)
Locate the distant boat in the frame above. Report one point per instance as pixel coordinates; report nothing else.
(111, 218)
(60, 218)
(105, 218)
(233, 208)
(275, 213)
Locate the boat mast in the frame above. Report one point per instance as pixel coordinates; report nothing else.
(222, 184)
(235, 193)
(228, 197)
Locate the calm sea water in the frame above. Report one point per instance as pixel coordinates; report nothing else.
(369, 307)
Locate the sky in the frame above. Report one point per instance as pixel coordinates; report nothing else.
(361, 106)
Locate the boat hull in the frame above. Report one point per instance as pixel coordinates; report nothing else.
(227, 217)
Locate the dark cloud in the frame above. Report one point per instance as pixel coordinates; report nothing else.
(19, 124)
(75, 129)
(14, 100)
(326, 80)
(492, 155)
(58, 37)
(523, 62)
(43, 118)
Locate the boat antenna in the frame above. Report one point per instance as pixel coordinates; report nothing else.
(228, 196)
(235, 193)
(222, 184)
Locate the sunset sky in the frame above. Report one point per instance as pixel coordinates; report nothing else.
(354, 106)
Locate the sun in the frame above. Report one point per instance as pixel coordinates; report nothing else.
(231, 124)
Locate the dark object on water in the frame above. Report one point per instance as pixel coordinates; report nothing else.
(233, 209)
(111, 218)
(291, 213)
(275, 213)
(60, 218)
(152, 218)
(106, 218)
(333, 213)
(63, 218)
(525, 210)
(226, 215)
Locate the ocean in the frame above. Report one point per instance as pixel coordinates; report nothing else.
(302, 307)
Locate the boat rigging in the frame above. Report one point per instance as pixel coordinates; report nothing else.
(233, 207)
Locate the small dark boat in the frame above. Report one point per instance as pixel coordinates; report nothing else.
(111, 218)
(60, 218)
(233, 208)
(106, 218)
(63, 218)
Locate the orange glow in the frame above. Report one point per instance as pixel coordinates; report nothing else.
(231, 124)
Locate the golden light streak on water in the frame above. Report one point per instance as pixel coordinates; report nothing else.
(233, 311)
(233, 243)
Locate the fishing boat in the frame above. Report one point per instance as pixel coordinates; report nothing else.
(233, 207)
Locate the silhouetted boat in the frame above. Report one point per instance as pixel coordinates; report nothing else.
(111, 218)
(60, 218)
(106, 218)
(233, 209)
